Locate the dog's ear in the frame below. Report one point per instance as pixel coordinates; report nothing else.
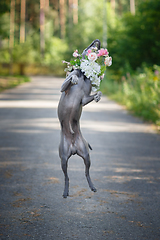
(68, 79)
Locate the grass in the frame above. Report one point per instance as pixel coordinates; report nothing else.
(140, 93)
(7, 82)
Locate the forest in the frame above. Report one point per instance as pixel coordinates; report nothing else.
(36, 35)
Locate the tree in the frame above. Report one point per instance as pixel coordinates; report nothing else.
(132, 6)
(62, 17)
(22, 27)
(42, 24)
(12, 16)
(136, 38)
(75, 11)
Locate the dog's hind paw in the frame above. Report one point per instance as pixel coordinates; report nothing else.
(65, 194)
(94, 189)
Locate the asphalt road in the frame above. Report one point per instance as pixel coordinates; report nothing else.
(125, 170)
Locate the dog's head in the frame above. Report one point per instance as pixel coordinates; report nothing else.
(95, 43)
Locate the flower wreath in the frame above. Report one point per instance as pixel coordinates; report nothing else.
(93, 65)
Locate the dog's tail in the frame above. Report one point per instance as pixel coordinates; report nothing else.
(90, 146)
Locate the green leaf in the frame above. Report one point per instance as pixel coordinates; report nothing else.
(103, 69)
(75, 62)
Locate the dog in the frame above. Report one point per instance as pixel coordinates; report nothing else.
(76, 91)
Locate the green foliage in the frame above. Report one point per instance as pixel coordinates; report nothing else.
(4, 55)
(89, 27)
(136, 39)
(103, 69)
(24, 52)
(10, 82)
(140, 92)
(133, 43)
(54, 53)
(132, 40)
(4, 26)
(4, 6)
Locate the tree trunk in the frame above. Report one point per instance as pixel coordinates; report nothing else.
(70, 12)
(104, 23)
(11, 37)
(119, 7)
(132, 6)
(113, 5)
(21, 68)
(46, 4)
(75, 11)
(62, 17)
(12, 15)
(22, 28)
(42, 22)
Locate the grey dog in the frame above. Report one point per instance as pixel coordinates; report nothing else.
(76, 91)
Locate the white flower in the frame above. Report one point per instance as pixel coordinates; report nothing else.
(92, 56)
(94, 89)
(95, 80)
(91, 70)
(95, 67)
(75, 54)
(108, 61)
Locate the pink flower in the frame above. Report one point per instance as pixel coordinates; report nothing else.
(108, 61)
(102, 52)
(65, 62)
(89, 51)
(156, 72)
(75, 54)
(92, 56)
(102, 76)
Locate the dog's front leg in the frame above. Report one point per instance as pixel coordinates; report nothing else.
(88, 99)
(98, 96)
(74, 79)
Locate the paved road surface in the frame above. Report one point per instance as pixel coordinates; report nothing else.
(125, 169)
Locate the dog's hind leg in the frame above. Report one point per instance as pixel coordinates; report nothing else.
(87, 166)
(65, 154)
(84, 153)
(64, 164)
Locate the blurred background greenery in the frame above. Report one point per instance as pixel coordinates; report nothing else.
(36, 35)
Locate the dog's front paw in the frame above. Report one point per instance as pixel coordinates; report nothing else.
(97, 97)
(74, 79)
